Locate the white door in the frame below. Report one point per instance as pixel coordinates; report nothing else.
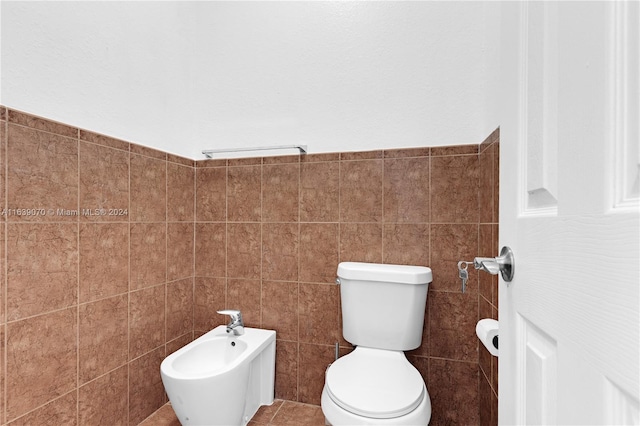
(569, 209)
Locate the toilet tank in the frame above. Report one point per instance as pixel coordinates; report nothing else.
(383, 305)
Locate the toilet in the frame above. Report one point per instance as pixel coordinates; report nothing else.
(382, 316)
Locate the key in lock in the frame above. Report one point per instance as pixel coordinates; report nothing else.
(463, 273)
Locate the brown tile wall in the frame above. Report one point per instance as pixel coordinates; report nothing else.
(270, 233)
(90, 305)
(488, 284)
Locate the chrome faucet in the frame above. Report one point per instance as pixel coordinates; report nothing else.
(236, 326)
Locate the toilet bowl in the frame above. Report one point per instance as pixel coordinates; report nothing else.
(375, 387)
(383, 314)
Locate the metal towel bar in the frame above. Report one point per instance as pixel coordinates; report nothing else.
(209, 152)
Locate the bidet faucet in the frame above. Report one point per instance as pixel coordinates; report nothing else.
(236, 326)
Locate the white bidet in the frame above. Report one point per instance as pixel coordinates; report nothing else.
(221, 378)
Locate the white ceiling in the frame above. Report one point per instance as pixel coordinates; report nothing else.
(186, 76)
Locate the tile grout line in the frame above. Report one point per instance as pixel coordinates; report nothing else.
(78, 284)
(382, 218)
(129, 288)
(300, 164)
(194, 213)
(4, 151)
(261, 233)
(276, 413)
(226, 235)
(166, 259)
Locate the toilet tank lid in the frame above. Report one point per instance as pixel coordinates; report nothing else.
(405, 274)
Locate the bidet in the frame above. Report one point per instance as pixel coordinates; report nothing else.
(221, 378)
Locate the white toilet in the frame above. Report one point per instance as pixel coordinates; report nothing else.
(382, 315)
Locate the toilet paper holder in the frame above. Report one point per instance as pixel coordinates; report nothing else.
(488, 332)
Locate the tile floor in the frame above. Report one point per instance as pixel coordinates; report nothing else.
(280, 413)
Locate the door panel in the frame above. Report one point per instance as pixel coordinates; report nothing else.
(569, 209)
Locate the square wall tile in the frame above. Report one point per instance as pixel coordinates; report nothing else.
(496, 179)
(147, 152)
(280, 308)
(280, 186)
(320, 192)
(42, 174)
(3, 262)
(180, 244)
(313, 363)
(211, 194)
(280, 251)
(406, 244)
(41, 124)
(454, 189)
(3, 168)
(104, 183)
(486, 178)
(103, 336)
(286, 370)
(180, 193)
(99, 139)
(243, 194)
(451, 243)
(210, 295)
(148, 254)
(318, 252)
(104, 260)
(175, 344)
(42, 268)
(453, 405)
(452, 325)
(485, 281)
(211, 249)
(105, 401)
(244, 250)
(360, 242)
(406, 190)
(244, 295)
(146, 392)
(61, 411)
(361, 191)
(318, 307)
(3, 372)
(34, 376)
(146, 320)
(148, 186)
(179, 308)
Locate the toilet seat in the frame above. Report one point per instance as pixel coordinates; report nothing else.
(375, 383)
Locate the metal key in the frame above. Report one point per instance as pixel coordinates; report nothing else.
(463, 274)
